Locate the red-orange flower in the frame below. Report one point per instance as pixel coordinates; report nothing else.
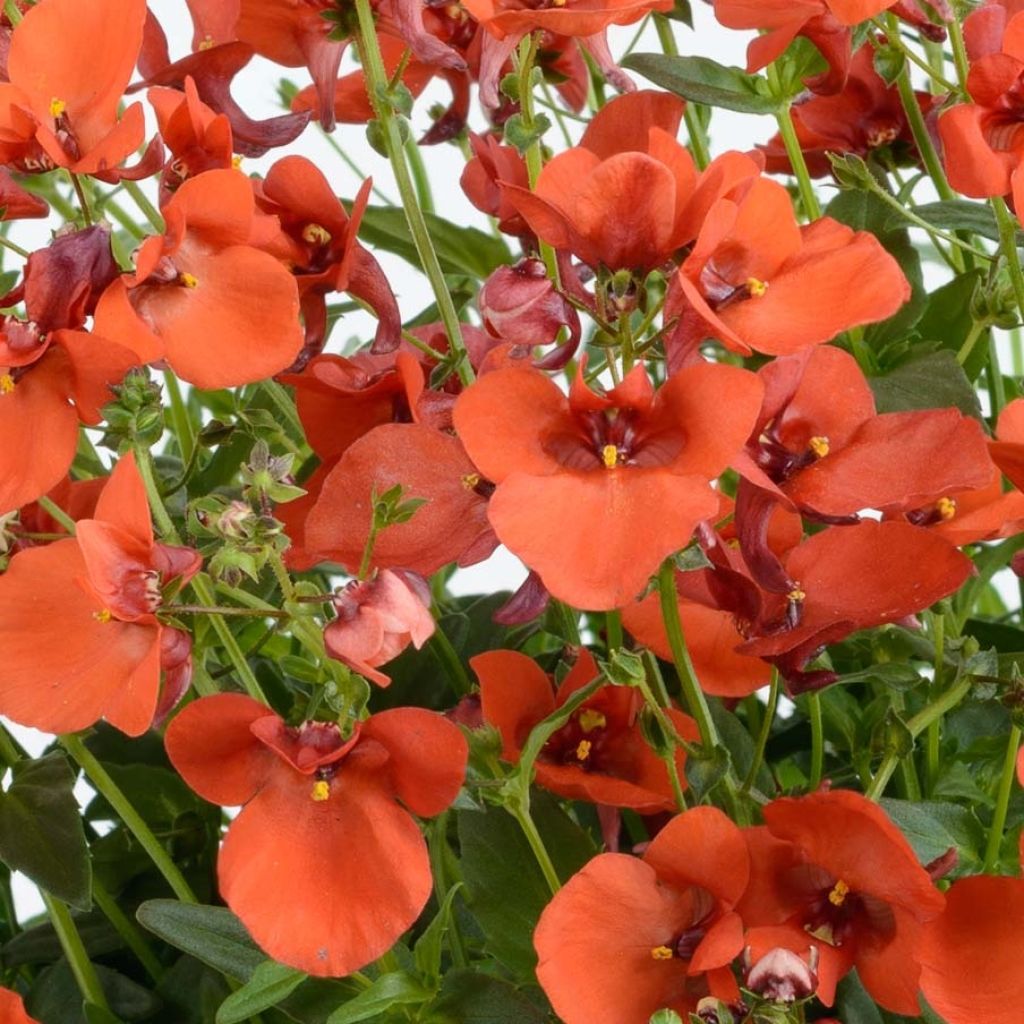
(971, 955)
(600, 755)
(78, 627)
(68, 66)
(12, 1009)
(574, 470)
(831, 869)
(626, 936)
(224, 313)
(757, 280)
(323, 865)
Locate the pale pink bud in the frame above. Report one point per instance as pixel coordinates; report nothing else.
(782, 975)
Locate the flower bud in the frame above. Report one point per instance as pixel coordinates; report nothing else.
(521, 305)
(781, 975)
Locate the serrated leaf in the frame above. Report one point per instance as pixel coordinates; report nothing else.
(460, 250)
(41, 830)
(396, 989)
(211, 934)
(270, 983)
(703, 80)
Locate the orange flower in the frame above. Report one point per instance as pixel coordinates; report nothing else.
(758, 281)
(832, 869)
(80, 615)
(600, 755)
(574, 470)
(12, 1009)
(626, 936)
(377, 620)
(68, 66)
(323, 865)
(224, 313)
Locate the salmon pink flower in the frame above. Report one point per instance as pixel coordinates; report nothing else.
(977, 937)
(78, 618)
(627, 936)
(377, 620)
(758, 281)
(831, 869)
(600, 755)
(223, 312)
(321, 828)
(67, 69)
(572, 470)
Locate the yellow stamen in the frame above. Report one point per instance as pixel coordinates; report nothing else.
(206, 43)
(610, 456)
(756, 287)
(796, 594)
(661, 953)
(316, 234)
(103, 616)
(236, 162)
(188, 280)
(837, 897)
(946, 507)
(57, 107)
(819, 445)
(583, 750)
(590, 720)
(6, 384)
(321, 790)
(470, 480)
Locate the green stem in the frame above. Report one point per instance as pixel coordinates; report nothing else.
(977, 329)
(419, 174)
(995, 834)
(916, 725)
(691, 114)
(613, 630)
(83, 200)
(203, 609)
(127, 929)
(376, 82)
(693, 694)
(764, 734)
(1008, 247)
(74, 950)
(149, 211)
(14, 247)
(931, 764)
(667, 727)
(784, 119)
(449, 660)
(540, 852)
(109, 790)
(56, 512)
(817, 739)
(956, 38)
(12, 12)
(179, 417)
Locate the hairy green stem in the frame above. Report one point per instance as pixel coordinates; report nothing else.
(764, 733)
(995, 834)
(56, 512)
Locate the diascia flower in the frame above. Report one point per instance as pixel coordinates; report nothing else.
(586, 468)
(224, 313)
(323, 865)
(78, 626)
(627, 936)
(971, 956)
(12, 1009)
(831, 869)
(59, 107)
(600, 755)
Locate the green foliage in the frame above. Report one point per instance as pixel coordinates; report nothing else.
(703, 80)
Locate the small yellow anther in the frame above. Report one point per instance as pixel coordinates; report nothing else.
(321, 790)
(57, 107)
(6, 384)
(756, 287)
(316, 234)
(236, 161)
(590, 720)
(819, 445)
(946, 507)
(206, 43)
(471, 480)
(188, 280)
(837, 897)
(610, 456)
(103, 616)
(583, 750)
(661, 953)
(796, 594)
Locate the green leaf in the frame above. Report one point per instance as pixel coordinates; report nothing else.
(270, 983)
(396, 989)
(947, 320)
(703, 80)
(497, 860)
(959, 215)
(460, 250)
(427, 951)
(705, 769)
(55, 998)
(41, 830)
(470, 997)
(211, 934)
(666, 1017)
(932, 827)
(854, 1005)
(97, 1015)
(934, 381)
